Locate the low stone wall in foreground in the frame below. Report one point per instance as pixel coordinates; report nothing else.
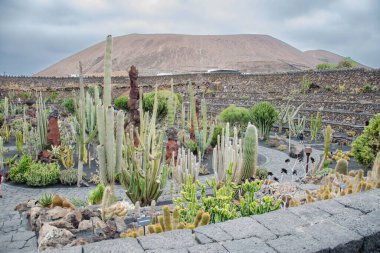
(345, 224)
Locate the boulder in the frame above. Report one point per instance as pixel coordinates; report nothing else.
(56, 213)
(296, 151)
(88, 213)
(85, 225)
(34, 214)
(52, 237)
(120, 224)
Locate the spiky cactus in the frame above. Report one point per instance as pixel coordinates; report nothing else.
(107, 73)
(227, 152)
(250, 153)
(327, 141)
(42, 120)
(203, 135)
(375, 173)
(144, 170)
(2, 154)
(110, 148)
(6, 108)
(187, 165)
(172, 106)
(342, 166)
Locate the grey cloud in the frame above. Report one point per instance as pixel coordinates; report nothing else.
(36, 34)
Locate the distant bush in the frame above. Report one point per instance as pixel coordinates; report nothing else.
(347, 63)
(305, 84)
(263, 115)
(162, 96)
(69, 105)
(235, 115)
(92, 88)
(324, 66)
(366, 146)
(368, 88)
(121, 103)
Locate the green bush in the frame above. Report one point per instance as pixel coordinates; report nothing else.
(121, 103)
(92, 88)
(1, 119)
(346, 63)
(17, 173)
(217, 131)
(263, 115)
(68, 176)
(235, 115)
(366, 146)
(368, 88)
(262, 173)
(163, 96)
(40, 174)
(325, 65)
(96, 195)
(69, 105)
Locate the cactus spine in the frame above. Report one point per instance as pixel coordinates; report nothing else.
(107, 72)
(250, 153)
(342, 166)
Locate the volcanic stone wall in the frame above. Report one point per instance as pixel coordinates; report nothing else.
(337, 94)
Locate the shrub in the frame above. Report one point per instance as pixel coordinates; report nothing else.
(262, 173)
(263, 115)
(17, 173)
(92, 88)
(121, 103)
(368, 88)
(162, 96)
(40, 174)
(235, 115)
(346, 63)
(325, 65)
(366, 146)
(217, 131)
(68, 176)
(96, 195)
(1, 119)
(69, 105)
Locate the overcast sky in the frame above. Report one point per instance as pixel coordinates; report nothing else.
(37, 33)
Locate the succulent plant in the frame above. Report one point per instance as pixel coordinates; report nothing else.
(342, 166)
(46, 199)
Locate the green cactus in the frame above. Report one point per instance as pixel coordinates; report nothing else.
(342, 166)
(106, 201)
(6, 109)
(227, 152)
(42, 120)
(327, 141)
(161, 222)
(171, 106)
(198, 218)
(2, 154)
(205, 219)
(107, 73)
(19, 142)
(315, 125)
(250, 153)
(144, 170)
(167, 218)
(176, 214)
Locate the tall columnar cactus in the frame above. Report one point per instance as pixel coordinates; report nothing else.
(203, 135)
(315, 125)
(171, 106)
(2, 154)
(110, 148)
(25, 125)
(144, 170)
(6, 108)
(187, 165)
(250, 154)
(342, 166)
(42, 120)
(90, 110)
(227, 152)
(107, 72)
(327, 141)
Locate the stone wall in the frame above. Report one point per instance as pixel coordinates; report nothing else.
(344, 110)
(344, 224)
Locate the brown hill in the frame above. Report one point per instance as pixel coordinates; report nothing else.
(328, 57)
(173, 53)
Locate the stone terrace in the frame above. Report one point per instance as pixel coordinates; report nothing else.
(346, 224)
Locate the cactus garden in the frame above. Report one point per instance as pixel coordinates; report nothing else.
(155, 160)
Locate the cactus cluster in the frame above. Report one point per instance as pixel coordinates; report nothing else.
(171, 221)
(144, 171)
(337, 184)
(226, 152)
(187, 165)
